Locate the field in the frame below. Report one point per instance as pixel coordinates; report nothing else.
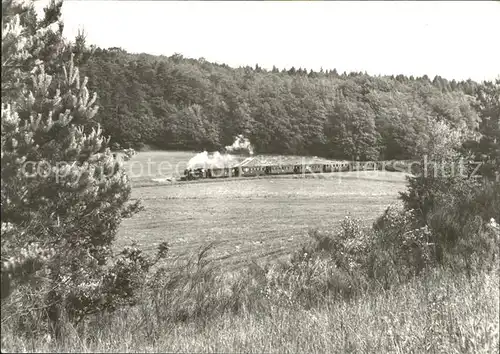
(249, 219)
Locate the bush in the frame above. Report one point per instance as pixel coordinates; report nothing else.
(456, 211)
(347, 247)
(454, 208)
(459, 223)
(37, 306)
(401, 248)
(331, 265)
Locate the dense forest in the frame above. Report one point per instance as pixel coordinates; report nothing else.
(180, 103)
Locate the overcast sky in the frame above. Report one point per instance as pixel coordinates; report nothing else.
(457, 40)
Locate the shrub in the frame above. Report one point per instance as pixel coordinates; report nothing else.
(347, 247)
(401, 248)
(331, 265)
(455, 211)
(459, 223)
(453, 208)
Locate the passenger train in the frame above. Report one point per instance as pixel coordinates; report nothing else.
(285, 169)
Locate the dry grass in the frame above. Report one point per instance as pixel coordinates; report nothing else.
(442, 313)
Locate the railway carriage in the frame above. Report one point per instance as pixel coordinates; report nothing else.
(345, 166)
(313, 168)
(308, 168)
(251, 171)
(288, 169)
(335, 167)
(281, 169)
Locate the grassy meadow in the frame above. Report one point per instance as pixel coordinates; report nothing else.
(249, 219)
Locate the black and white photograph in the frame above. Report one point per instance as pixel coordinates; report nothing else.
(250, 176)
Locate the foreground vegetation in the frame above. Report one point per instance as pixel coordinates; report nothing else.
(440, 313)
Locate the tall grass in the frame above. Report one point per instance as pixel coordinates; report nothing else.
(439, 313)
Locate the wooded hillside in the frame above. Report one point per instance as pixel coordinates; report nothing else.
(178, 103)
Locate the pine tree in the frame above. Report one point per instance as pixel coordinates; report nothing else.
(40, 40)
(63, 193)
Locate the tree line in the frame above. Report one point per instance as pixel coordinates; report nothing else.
(181, 103)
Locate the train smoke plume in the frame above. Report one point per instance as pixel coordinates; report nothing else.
(240, 144)
(215, 160)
